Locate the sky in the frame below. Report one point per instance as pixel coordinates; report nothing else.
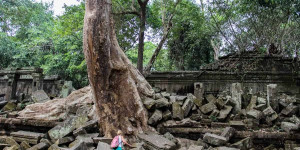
(58, 5)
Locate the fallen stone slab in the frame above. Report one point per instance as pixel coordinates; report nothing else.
(64, 140)
(39, 96)
(24, 145)
(261, 100)
(225, 148)
(252, 103)
(187, 106)
(256, 114)
(268, 111)
(290, 110)
(87, 138)
(81, 145)
(149, 103)
(211, 98)
(30, 137)
(137, 146)
(102, 139)
(30, 141)
(158, 96)
(103, 146)
(244, 144)
(288, 126)
(196, 147)
(224, 112)
(166, 95)
(11, 148)
(167, 115)
(177, 112)
(156, 142)
(260, 107)
(237, 124)
(214, 139)
(62, 130)
(209, 107)
(228, 133)
(79, 131)
(40, 146)
(56, 147)
(162, 102)
(155, 118)
(9, 106)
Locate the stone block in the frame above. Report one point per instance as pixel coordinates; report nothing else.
(187, 106)
(40, 96)
(209, 107)
(256, 114)
(224, 112)
(288, 126)
(67, 88)
(79, 131)
(260, 107)
(198, 92)
(261, 100)
(102, 139)
(236, 94)
(10, 106)
(158, 96)
(156, 142)
(196, 147)
(237, 124)
(170, 137)
(149, 103)
(268, 111)
(290, 110)
(167, 115)
(40, 146)
(225, 148)
(210, 98)
(103, 146)
(64, 140)
(272, 99)
(220, 103)
(162, 102)
(181, 98)
(62, 130)
(177, 112)
(166, 95)
(228, 132)
(244, 144)
(214, 139)
(24, 145)
(155, 118)
(214, 113)
(252, 103)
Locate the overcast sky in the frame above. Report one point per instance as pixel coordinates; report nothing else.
(58, 5)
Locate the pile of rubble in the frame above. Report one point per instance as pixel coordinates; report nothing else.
(224, 121)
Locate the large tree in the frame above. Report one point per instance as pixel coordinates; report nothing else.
(117, 85)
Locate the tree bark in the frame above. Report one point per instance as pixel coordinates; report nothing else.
(141, 35)
(117, 85)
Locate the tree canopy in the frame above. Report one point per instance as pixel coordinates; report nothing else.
(197, 33)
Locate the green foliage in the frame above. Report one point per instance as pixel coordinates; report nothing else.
(162, 62)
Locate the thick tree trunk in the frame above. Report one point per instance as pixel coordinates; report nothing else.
(141, 37)
(116, 84)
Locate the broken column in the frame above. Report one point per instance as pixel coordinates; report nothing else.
(236, 93)
(198, 92)
(37, 81)
(11, 87)
(272, 100)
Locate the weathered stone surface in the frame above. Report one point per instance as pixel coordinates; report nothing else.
(79, 131)
(200, 142)
(86, 138)
(288, 126)
(187, 106)
(272, 99)
(137, 146)
(261, 100)
(214, 139)
(214, 113)
(220, 103)
(39, 146)
(63, 130)
(154, 141)
(228, 133)
(290, 110)
(210, 98)
(166, 95)
(225, 148)
(167, 115)
(14, 147)
(271, 118)
(172, 99)
(24, 145)
(177, 112)
(158, 96)
(196, 147)
(224, 112)
(256, 114)
(208, 107)
(170, 137)
(10, 106)
(156, 89)
(252, 103)
(268, 111)
(149, 103)
(39, 96)
(103, 146)
(237, 124)
(236, 93)
(295, 119)
(67, 88)
(64, 140)
(31, 141)
(198, 92)
(102, 139)
(27, 134)
(162, 102)
(260, 107)
(155, 118)
(181, 98)
(11, 141)
(244, 144)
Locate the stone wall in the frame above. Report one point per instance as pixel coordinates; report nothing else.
(254, 71)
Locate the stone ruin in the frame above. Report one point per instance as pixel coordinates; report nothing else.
(224, 106)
